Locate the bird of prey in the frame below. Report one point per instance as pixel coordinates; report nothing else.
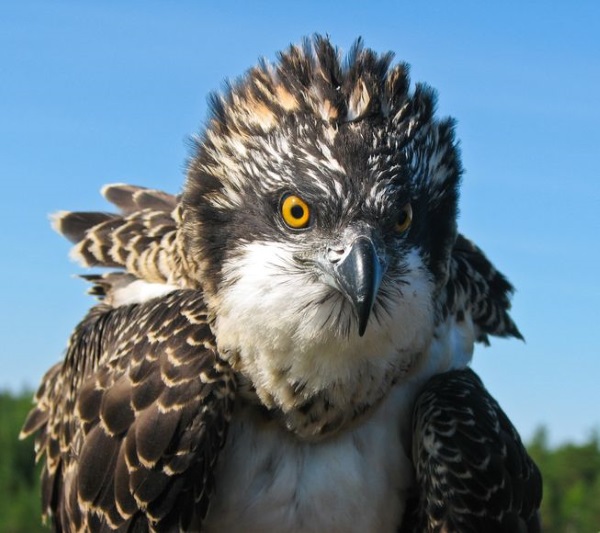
(284, 346)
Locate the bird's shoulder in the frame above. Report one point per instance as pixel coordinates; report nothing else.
(132, 421)
(473, 472)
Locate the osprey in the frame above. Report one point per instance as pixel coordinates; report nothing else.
(285, 345)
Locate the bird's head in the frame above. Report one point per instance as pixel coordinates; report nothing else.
(318, 217)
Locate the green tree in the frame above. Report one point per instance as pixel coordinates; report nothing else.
(19, 477)
(571, 476)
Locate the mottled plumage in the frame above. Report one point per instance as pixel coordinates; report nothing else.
(132, 421)
(298, 297)
(472, 471)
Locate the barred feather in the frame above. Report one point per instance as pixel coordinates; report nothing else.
(473, 473)
(141, 238)
(132, 422)
(475, 286)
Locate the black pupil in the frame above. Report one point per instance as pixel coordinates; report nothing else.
(297, 211)
(402, 218)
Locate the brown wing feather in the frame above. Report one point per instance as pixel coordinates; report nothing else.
(132, 421)
(472, 471)
(132, 198)
(475, 286)
(142, 237)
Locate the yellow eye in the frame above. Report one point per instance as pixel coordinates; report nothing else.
(295, 212)
(404, 219)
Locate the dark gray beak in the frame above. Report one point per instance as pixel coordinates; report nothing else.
(357, 272)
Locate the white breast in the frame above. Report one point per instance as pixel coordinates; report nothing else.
(269, 481)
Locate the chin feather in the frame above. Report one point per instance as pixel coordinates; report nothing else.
(295, 339)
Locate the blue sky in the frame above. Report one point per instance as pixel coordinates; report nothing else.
(94, 93)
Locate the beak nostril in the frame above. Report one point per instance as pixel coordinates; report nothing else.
(355, 270)
(335, 255)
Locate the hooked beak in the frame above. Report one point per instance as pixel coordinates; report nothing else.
(357, 272)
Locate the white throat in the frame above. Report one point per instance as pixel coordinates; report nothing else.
(284, 330)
